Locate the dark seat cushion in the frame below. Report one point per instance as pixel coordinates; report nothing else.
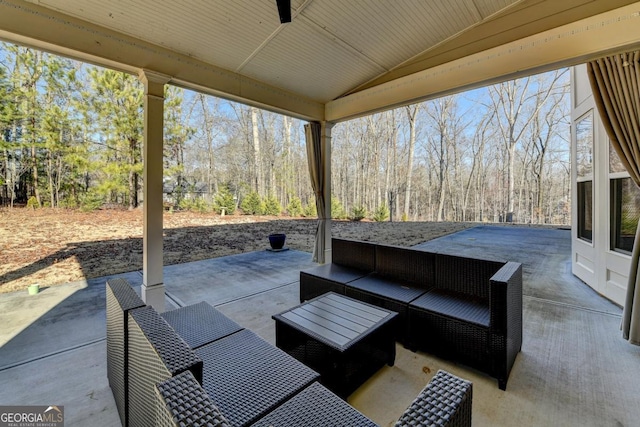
(200, 324)
(246, 377)
(390, 289)
(455, 305)
(336, 273)
(315, 406)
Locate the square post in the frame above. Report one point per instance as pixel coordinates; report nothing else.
(325, 134)
(152, 275)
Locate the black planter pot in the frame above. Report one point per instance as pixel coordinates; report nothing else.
(277, 240)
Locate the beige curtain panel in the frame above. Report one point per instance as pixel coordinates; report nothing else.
(614, 81)
(313, 137)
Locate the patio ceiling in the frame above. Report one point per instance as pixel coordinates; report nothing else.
(337, 59)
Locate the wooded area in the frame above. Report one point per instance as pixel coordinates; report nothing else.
(71, 136)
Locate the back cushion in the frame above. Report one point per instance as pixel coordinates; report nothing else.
(354, 254)
(470, 276)
(405, 264)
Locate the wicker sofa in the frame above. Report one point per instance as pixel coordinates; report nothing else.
(194, 366)
(464, 309)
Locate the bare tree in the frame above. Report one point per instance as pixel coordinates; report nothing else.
(412, 113)
(517, 102)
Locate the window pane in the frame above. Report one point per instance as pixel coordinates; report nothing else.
(585, 210)
(615, 165)
(584, 146)
(625, 206)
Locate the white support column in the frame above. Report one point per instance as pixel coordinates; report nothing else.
(152, 280)
(325, 134)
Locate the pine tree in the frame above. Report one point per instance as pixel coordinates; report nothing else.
(116, 104)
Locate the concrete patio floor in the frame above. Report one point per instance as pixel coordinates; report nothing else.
(574, 369)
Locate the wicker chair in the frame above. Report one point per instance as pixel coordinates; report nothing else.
(220, 375)
(445, 401)
(121, 299)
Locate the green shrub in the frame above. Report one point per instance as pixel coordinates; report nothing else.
(92, 200)
(358, 213)
(201, 205)
(337, 211)
(251, 204)
(195, 205)
(295, 206)
(381, 214)
(310, 210)
(224, 201)
(68, 203)
(33, 203)
(272, 206)
(405, 217)
(185, 204)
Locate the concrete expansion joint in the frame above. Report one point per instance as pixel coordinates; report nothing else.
(573, 306)
(48, 355)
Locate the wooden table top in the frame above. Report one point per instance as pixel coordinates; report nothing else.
(336, 320)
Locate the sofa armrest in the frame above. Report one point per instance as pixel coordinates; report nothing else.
(445, 401)
(120, 300)
(505, 302)
(505, 320)
(181, 401)
(156, 353)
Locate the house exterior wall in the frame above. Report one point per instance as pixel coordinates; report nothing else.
(594, 262)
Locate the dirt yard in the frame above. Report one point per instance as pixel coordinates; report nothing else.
(52, 247)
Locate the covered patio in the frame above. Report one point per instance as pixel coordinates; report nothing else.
(574, 369)
(334, 61)
(328, 62)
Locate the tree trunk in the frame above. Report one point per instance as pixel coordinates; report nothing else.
(34, 173)
(412, 112)
(257, 167)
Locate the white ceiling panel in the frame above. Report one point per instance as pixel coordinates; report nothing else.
(204, 29)
(332, 48)
(489, 7)
(309, 62)
(390, 32)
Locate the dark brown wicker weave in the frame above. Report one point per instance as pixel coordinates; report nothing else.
(393, 296)
(315, 406)
(474, 315)
(156, 353)
(345, 340)
(200, 324)
(246, 377)
(121, 298)
(183, 402)
(465, 309)
(351, 260)
(243, 378)
(445, 401)
(402, 275)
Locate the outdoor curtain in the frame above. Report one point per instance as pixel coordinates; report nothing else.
(315, 157)
(614, 82)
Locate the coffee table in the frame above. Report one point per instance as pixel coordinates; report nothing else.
(343, 339)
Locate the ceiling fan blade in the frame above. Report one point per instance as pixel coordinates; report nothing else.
(284, 10)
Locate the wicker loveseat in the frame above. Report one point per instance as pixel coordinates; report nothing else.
(195, 367)
(464, 309)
